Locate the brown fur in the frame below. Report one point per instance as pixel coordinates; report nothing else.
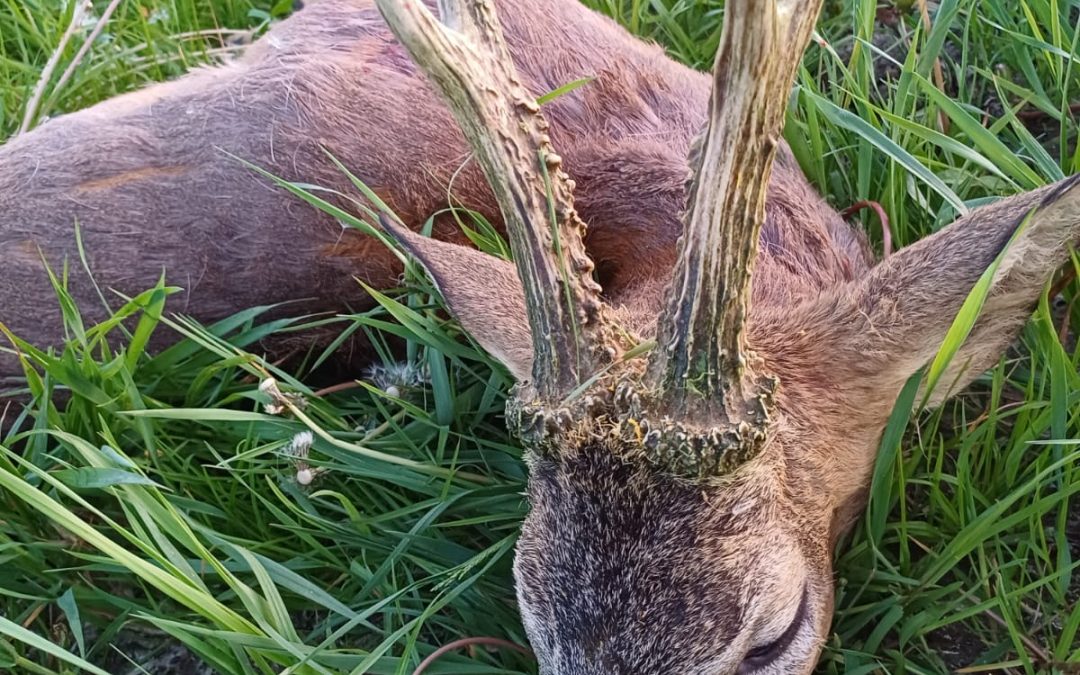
(145, 176)
(624, 568)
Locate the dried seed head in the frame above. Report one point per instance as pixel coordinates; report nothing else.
(279, 401)
(397, 379)
(274, 408)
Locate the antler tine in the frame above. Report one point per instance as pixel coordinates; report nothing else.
(702, 337)
(472, 68)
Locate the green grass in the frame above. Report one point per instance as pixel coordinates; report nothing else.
(163, 500)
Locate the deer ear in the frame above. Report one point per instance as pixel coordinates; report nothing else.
(898, 315)
(483, 292)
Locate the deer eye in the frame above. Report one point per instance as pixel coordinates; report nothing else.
(764, 655)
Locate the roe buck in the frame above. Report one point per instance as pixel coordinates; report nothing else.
(145, 178)
(684, 505)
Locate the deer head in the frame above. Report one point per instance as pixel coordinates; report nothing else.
(685, 498)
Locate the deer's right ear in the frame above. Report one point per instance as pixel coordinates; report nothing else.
(482, 291)
(895, 320)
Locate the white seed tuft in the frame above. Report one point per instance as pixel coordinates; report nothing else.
(397, 379)
(300, 444)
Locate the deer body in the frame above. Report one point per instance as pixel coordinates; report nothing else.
(146, 178)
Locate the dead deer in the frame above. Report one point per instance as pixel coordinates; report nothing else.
(684, 505)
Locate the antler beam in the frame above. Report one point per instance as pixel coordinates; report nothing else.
(702, 355)
(468, 61)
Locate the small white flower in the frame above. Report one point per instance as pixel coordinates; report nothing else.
(297, 450)
(160, 15)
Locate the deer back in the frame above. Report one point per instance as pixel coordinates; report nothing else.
(150, 178)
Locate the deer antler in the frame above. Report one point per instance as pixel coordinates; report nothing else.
(703, 362)
(469, 63)
(703, 407)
